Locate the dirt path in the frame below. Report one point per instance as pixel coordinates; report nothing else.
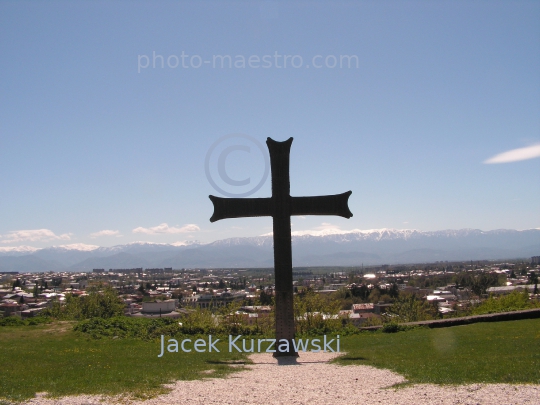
(312, 380)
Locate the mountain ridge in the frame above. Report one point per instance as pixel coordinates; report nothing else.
(340, 248)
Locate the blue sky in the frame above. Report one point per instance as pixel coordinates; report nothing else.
(102, 144)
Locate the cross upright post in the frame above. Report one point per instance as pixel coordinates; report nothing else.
(280, 207)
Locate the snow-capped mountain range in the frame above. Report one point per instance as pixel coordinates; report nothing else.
(319, 248)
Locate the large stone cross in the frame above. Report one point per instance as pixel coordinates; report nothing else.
(280, 207)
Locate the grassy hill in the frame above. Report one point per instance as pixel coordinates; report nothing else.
(497, 352)
(53, 358)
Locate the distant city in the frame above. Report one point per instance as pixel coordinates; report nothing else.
(168, 292)
(452, 269)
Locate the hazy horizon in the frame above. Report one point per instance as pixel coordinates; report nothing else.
(314, 233)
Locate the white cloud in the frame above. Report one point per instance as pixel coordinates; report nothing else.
(105, 232)
(515, 155)
(33, 235)
(28, 249)
(164, 229)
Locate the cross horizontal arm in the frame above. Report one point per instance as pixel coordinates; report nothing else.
(322, 205)
(240, 207)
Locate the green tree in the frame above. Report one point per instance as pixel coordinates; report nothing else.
(361, 291)
(533, 279)
(316, 313)
(232, 319)
(264, 298)
(386, 298)
(394, 291)
(97, 304)
(483, 281)
(410, 308)
(374, 295)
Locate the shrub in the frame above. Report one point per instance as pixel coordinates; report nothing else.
(514, 301)
(390, 327)
(16, 321)
(393, 327)
(11, 321)
(125, 327)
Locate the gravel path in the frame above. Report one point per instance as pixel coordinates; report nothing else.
(313, 381)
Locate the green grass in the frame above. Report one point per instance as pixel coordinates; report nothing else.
(54, 359)
(491, 352)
